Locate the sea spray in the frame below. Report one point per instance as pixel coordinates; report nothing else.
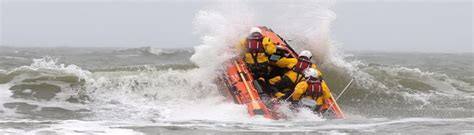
(221, 28)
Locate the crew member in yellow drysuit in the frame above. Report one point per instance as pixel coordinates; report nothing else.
(311, 89)
(283, 86)
(257, 49)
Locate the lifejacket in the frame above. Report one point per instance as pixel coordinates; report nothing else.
(314, 89)
(254, 45)
(301, 65)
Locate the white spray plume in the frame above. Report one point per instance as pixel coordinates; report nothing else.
(308, 25)
(221, 27)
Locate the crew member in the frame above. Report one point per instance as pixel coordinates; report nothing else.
(311, 89)
(257, 49)
(283, 85)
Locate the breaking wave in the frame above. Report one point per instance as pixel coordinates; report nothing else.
(139, 95)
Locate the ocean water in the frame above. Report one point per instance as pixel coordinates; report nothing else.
(161, 91)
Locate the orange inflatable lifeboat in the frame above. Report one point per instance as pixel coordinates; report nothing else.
(242, 88)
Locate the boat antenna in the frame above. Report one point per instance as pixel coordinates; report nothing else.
(290, 95)
(342, 92)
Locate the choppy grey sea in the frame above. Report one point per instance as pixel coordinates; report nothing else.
(161, 91)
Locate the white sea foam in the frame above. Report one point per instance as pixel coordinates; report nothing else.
(48, 63)
(5, 94)
(83, 127)
(173, 95)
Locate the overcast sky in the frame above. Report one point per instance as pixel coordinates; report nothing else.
(425, 25)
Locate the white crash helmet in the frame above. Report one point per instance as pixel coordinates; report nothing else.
(255, 30)
(311, 73)
(306, 54)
